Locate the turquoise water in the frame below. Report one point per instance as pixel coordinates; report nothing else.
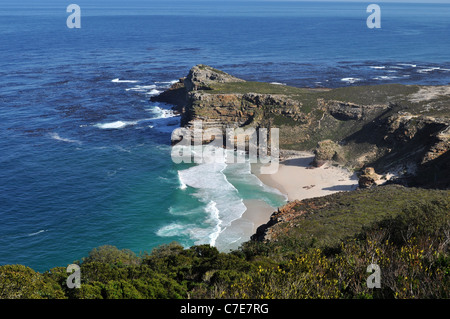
(85, 156)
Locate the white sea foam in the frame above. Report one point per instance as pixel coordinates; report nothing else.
(277, 83)
(163, 120)
(408, 64)
(214, 218)
(37, 233)
(213, 183)
(223, 203)
(172, 230)
(123, 81)
(428, 70)
(386, 77)
(350, 80)
(141, 88)
(56, 136)
(168, 83)
(146, 89)
(161, 113)
(153, 92)
(182, 185)
(115, 125)
(377, 67)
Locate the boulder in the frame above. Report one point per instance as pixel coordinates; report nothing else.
(326, 150)
(368, 178)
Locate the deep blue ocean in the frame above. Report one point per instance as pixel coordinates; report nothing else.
(85, 155)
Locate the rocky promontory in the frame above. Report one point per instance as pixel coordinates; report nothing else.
(398, 129)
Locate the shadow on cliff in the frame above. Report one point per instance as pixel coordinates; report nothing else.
(434, 174)
(407, 144)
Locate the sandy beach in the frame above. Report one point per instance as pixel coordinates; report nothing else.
(258, 213)
(299, 180)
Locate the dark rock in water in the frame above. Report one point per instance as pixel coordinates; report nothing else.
(175, 95)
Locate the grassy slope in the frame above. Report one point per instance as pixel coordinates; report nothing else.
(332, 218)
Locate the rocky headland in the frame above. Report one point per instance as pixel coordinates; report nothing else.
(388, 134)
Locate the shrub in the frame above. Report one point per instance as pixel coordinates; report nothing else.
(21, 282)
(112, 255)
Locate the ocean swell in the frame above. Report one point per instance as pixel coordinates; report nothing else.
(222, 203)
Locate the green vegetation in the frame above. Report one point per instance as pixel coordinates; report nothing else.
(374, 94)
(405, 231)
(363, 95)
(327, 220)
(254, 87)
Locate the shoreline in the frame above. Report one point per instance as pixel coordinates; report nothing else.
(299, 180)
(258, 212)
(296, 179)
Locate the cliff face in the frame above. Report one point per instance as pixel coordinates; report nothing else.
(394, 127)
(196, 98)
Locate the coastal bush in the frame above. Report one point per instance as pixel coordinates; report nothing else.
(21, 282)
(112, 255)
(412, 250)
(307, 276)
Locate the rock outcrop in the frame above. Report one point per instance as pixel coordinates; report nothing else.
(327, 151)
(345, 111)
(195, 98)
(285, 215)
(324, 221)
(201, 76)
(368, 178)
